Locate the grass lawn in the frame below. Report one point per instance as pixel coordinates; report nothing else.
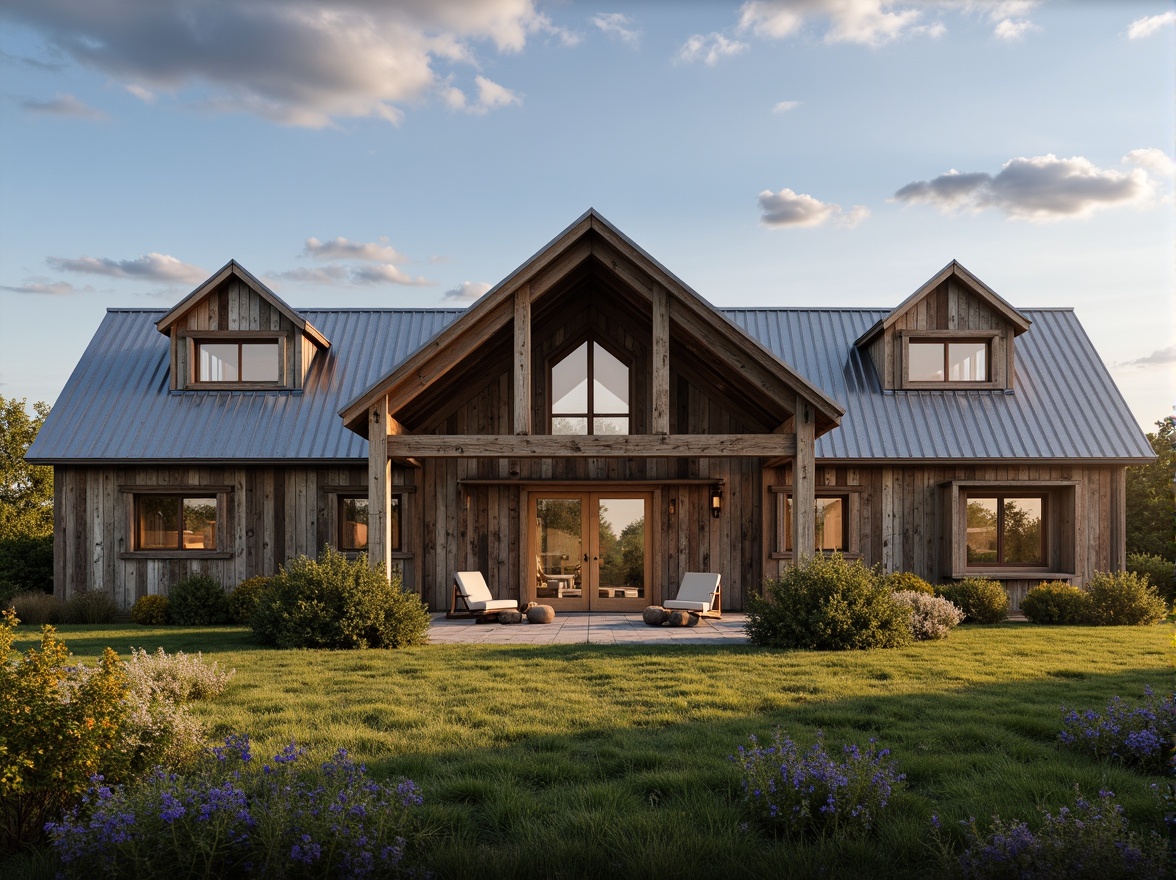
(593, 761)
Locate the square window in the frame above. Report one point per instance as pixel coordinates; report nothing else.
(175, 522)
(1005, 530)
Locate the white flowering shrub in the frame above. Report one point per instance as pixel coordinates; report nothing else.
(931, 616)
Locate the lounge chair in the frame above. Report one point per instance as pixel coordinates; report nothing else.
(701, 593)
(469, 588)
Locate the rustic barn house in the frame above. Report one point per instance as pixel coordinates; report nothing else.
(586, 432)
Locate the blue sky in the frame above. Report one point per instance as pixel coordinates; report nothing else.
(782, 152)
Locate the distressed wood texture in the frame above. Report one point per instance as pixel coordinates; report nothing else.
(267, 515)
(903, 516)
(521, 403)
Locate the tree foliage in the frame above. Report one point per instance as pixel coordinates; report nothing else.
(26, 490)
(1151, 507)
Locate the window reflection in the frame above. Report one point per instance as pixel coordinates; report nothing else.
(590, 392)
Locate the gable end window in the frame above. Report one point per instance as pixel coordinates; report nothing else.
(245, 361)
(589, 392)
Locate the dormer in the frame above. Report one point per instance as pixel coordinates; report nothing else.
(232, 333)
(953, 333)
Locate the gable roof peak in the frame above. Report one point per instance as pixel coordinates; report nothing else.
(234, 269)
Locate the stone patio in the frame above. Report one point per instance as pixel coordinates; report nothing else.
(594, 628)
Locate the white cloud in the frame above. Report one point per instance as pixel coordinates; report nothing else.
(296, 62)
(385, 273)
(785, 106)
(1145, 27)
(1036, 188)
(1011, 29)
(64, 105)
(491, 96)
(1158, 358)
(149, 267)
(46, 288)
(870, 22)
(343, 249)
(1156, 161)
(336, 274)
(709, 49)
(317, 275)
(467, 291)
(145, 95)
(789, 208)
(619, 26)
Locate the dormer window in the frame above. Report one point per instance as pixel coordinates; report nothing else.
(944, 360)
(249, 361)
(590, 392)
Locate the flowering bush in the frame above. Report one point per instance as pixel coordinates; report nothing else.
(59, 725)
(1123, 598)
(1138, 736)
(982, 600)
(1091, 840)
(150, 611)
(1057, 602)
(235, 818)
(932, 617)
(808, 792)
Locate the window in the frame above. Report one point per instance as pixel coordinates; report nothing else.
(942, 360)
(353, 523)
(590, 392)
(175, 522)
(1005, 530)
(247, 361)
(835, 512)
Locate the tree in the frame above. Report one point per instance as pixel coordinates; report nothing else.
(1151, 507)
(26, 490)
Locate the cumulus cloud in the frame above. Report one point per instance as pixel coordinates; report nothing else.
(1011, 30)
(1156, 161)
(1145, 27)
(386, 273)
(709, 49)
(296, 62)
(467, 291)
(491, 96)
(64, 105)
(785, 106)
(149, 267)
(1036, 188)
(850, 21)
(789, 208)
(46, 288)
(361, 275)
(619, 26)
(343, 249)
(1159, 358)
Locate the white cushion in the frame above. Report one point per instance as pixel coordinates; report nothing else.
(697, 592)
(473, 589)
(683, 605)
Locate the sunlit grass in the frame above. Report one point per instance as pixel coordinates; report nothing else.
(586, 761)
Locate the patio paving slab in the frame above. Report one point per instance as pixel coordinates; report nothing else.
(590, 628)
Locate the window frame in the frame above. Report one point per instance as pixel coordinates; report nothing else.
(780, 498)
(1000, 497)
(136, 494)
(590, 415)
(195, 338)
(396, 503)
(946, 337)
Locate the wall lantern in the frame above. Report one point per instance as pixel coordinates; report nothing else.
(673, 506)
(716, 502)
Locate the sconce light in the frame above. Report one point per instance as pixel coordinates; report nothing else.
(716, 502)
(673, 506)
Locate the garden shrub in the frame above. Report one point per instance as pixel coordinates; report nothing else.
(38, 608)
(1137, 736)
(1124, 598)
(150, 611)
(337, 602)
(234, 818)
(827, 603)
(198, 600)
(243, 600)
(808, 793)
(900, 581)
(26, 565)
(59, 725)
(932, 617)
(1092, 840)
(90, 606)
(1160, 572)
(981, 599)
(1057, 602)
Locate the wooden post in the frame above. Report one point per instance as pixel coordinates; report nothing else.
(522, 360)
(804, 499)
(661, 362)
(380, 425)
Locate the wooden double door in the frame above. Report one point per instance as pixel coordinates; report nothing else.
(591, 550)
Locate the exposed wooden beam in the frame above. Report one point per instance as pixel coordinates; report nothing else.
(804, 472)
(380, 431)
(661, 361)
(592, 446)
(522, 360)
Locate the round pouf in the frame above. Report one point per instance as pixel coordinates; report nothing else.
(540, 614)
(654, 615)
(510, 617)
(679, 618)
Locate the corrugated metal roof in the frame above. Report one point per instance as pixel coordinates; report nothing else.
(117, 406)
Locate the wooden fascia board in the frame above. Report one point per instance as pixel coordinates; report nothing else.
(590, 446)
(232, 267)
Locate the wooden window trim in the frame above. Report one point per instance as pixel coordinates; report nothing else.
(989, 337)
(220, 493)
(851, 527)
(562, 352)
(193, 339)
(338, 494)
(999, 497)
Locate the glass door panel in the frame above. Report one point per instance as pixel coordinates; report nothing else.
(619, 551)
(559, 553)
